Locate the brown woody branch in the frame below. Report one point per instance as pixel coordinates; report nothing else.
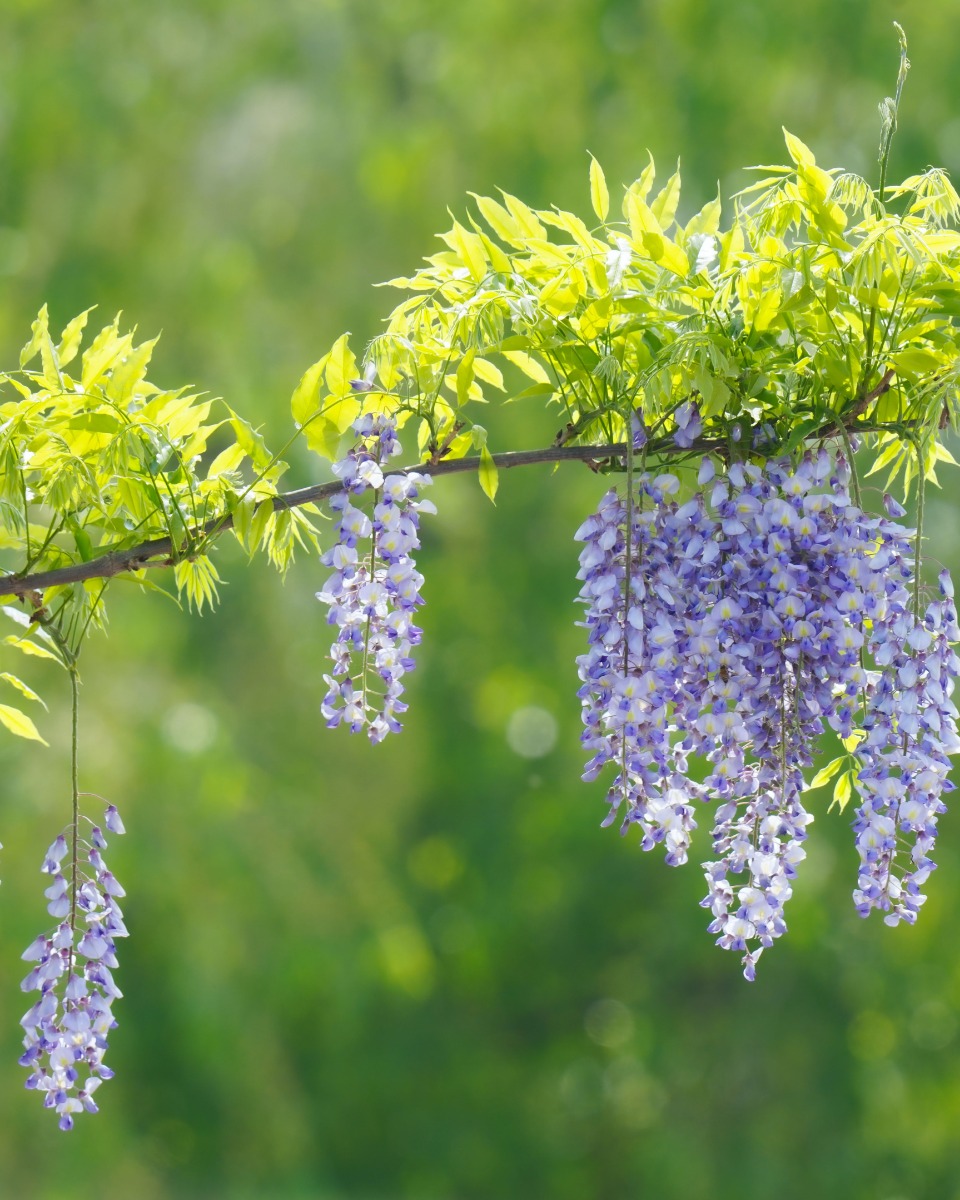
(161, 552)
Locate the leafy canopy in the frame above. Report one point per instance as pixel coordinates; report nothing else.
(823, 308)
(816, 306)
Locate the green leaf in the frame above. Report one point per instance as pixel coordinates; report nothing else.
(706, 221)
(524, 216)
(128, 375)
(71, 338)
(825, 774)
(226, 461)
(21, 687)
(843, 790)
(20, 724)
(25, 646)
(306, 397)
(499, 220)
(801, 154)
(599, 193)
(38, 329)
(664, 204)
(488, 373)
(801, 432)
(489, 476)
(82, 540)
(198, 578)
(250, 440)
(528, 365)
(260, 524)
(341, 366)
(465, 375)
(469, 249)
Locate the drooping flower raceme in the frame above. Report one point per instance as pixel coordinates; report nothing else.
(910, 735)
(734, 628)
(66, 1029)
(374, 591)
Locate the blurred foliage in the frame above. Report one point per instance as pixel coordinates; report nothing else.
(421, 971)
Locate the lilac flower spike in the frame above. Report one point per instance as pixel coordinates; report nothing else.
(66, 1028)
(737, 626)
(374, 590)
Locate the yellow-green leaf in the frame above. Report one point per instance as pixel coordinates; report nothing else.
(843, 790)
(706, 221)
(341, 366)
(497, 217)
(599, 192)
(825, 774)
(801, 153)
(127, 376)
(306, 397)
(664, 204)
(488, 372)
(226, 460)
(465, 377)
(25, 646)
(71, 337)
(21, 687)
(524, 216)
(20, 724)
(528, 365)
(469, 249)
(489, 476)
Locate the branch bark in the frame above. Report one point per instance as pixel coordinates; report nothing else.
(161, 552)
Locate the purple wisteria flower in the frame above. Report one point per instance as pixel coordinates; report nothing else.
(911, 732)
(688, 424)
(374, 590)
(66, 1029)
(734, 627)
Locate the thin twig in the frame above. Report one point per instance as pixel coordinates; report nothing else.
(161, 552)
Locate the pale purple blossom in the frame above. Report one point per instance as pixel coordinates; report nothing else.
(735, 628)
(688, 424)
(66, 1029)
(374, 591)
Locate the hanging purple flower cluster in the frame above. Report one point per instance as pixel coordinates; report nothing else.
(66, 1029)
(374, 590)
(735, 627)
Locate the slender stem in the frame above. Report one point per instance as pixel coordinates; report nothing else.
(889, 110)
(890, 114)
(158, 552)
(627, 589)
(366, 630)
(783, 733)
(854, 476)
(921, 481)
(75, 788)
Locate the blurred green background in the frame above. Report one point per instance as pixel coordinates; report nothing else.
(421, 970)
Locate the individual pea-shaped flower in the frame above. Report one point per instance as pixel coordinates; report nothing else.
(66, 1029)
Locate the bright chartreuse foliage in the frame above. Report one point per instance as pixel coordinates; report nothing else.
(94, 459)
(815, 305)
